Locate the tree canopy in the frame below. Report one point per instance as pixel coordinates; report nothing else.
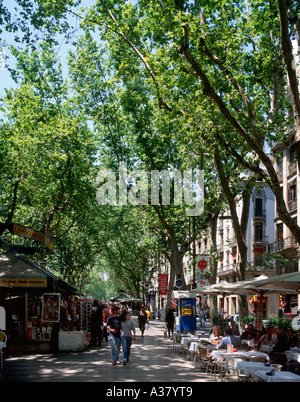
(158, 85)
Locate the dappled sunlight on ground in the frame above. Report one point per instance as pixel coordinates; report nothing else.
(152, 359)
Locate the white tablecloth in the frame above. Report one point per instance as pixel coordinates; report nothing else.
(222, 354)
(185, 340)
(280, 376)
(266, 348)
(291, 355)
(194, 346)
(251, 367)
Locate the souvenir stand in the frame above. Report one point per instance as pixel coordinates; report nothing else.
(75, 334)
(39, 307)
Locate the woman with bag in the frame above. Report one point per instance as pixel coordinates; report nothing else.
(170, 320)
(142, 319)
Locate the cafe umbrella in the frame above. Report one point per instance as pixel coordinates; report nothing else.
(223, 289)
(286, 282)
(255, 286)
(245, 287)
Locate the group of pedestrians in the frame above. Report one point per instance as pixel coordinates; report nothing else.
(120, 328)
(117, 327)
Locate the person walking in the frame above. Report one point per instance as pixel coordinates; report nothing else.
(201, 317)
(148, 318)
(96, 324)
(105, 315)
(114, 328)
(142, 319)
(127, 327)
(170, 320)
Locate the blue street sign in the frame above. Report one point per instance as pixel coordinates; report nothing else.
(179, 283)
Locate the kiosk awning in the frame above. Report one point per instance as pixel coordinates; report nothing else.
(18, 271)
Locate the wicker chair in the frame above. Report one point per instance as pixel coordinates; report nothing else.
(176, 342)
(201, 359)
(227, 373)
(186, 349)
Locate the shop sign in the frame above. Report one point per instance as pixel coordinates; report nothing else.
(16, 282)
(29, 233)
(258, 299)
(202, 283)
(163, 284)
(202, 262)
(32, 234)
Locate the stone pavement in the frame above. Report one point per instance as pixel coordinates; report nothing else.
(152, 360)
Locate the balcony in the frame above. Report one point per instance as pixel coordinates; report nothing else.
(260, 239)
(280, 175)
(220, 248)
(292, 205)
(231, 242)
(226, 270)
(259, 213)
(292, 167)
(284, 244)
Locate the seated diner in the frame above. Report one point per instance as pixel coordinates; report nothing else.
(249, 336)
(229, 339)
(267, 339)
(215, 335)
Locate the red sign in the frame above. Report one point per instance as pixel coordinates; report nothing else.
(283, 303)
(259, 299)
(250, 301)
(163, 284)
(202, 264)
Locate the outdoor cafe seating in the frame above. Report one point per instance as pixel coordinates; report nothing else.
(240, 365)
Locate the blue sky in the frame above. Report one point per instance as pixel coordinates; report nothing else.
(5, 79)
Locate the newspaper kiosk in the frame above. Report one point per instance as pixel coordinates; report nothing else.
(187, 314)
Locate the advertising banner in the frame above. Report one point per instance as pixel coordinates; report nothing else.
(163, 284)
(50, 307)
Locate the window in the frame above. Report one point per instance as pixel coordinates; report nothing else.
(279, 161)
(292, 153)
(292, 195)
(258, 231)
(258, 209)
(258, 256)
(279, 230)
(234, 250)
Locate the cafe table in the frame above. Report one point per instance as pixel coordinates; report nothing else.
(194, 346)
(222, 354)
(266, 348)
(177, 336)
(250, 368)
(186, 339)
(279, 376)
(293, 354)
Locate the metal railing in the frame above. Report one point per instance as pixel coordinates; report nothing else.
(283, 244)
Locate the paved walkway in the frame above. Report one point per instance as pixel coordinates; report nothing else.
(152, 360)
